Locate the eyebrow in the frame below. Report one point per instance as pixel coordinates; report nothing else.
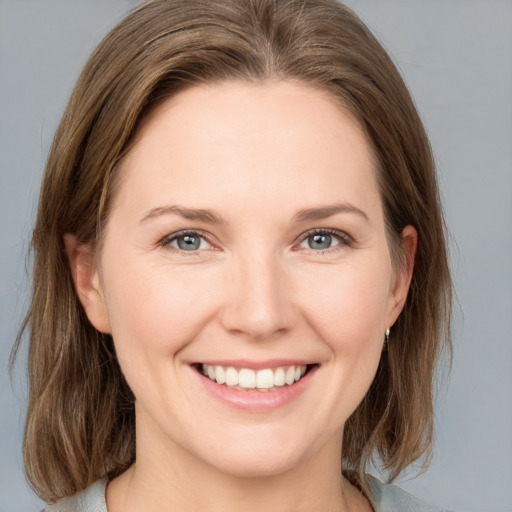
(210, 217)
(328, 211)
(198, 214)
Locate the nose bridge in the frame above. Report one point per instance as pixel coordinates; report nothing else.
(258, 301)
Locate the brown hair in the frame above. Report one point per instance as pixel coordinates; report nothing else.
(80, 420)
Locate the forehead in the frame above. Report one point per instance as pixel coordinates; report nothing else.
(247, 107)
(254, 141)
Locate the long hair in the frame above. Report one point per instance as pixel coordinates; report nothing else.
(80, 421)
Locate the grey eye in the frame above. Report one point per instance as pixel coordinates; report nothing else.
(189, 242)
(319, 241)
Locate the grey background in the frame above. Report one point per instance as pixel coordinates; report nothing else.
(456, 56)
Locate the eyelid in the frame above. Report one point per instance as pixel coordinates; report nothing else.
(345, 240)
(167, 239)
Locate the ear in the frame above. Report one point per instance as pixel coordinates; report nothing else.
(87, 283)
(403, 275)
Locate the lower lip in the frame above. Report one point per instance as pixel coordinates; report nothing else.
(254, 400)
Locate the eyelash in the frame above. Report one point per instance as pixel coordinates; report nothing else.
(344, 240)
(166, 241)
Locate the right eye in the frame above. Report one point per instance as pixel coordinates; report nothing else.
(187, 241)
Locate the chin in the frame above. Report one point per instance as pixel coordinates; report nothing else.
(248, 457)
(256, 465)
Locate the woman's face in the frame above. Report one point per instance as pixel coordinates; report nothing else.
(246, 241)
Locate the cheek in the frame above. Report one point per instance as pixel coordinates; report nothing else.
(349, 304)
(350, 316)
(156, 310)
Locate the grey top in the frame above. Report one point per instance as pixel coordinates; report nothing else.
(384, 498)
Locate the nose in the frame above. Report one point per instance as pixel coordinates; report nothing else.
(258, 303)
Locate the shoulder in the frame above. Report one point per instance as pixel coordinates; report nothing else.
(390, 498)
(91, 499)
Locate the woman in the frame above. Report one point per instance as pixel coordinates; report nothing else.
(240, 275)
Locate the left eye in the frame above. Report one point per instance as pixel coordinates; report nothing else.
(189, 241)
(321, 240)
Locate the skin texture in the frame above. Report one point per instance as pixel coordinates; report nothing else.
(255, 289)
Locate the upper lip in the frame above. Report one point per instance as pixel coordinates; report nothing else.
(255, 365)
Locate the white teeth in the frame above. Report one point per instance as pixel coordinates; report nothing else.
(220, 375)
(279, 377)
(231, 377)
(247, 378)
(290, 376)
(267, 379)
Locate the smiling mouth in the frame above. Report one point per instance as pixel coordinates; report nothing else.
(247, 379)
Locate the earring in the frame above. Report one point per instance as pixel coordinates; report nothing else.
(386, 339)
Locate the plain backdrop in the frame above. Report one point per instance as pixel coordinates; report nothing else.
(456, 56)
